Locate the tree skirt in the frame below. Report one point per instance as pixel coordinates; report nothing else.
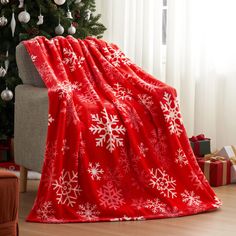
(116, 145)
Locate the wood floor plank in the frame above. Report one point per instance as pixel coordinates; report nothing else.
(218, 223)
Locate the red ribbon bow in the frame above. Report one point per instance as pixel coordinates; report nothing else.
(197, 138)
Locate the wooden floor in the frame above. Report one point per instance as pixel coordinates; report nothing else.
(217, 223)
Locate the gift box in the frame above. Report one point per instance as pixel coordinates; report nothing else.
(200, 145)
(229, 153)
(9, 166)
(217, 170)
(5, 145)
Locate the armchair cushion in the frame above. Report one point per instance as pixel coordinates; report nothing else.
(27, 71)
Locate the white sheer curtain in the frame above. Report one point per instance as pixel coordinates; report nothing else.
(200, 60)
(201, 64)
(135, 26)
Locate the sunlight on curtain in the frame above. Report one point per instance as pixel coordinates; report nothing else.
(200, 57)
(136, 26)
(201, 52)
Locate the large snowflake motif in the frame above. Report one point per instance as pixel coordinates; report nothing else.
(138, 203)
(190, 198)
(95, 171)
(121, 92)
(115, 56)
(172, 114)
(45, 211)
(88, 211)
(67, 188)
(146, 100)
(65, 89)
(155, 205)
(180, 158)
(108, 130)
(197, 180)
(72, 60)
(110, 196)
(163, 183)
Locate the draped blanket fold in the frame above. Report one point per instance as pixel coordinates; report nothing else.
(116, 146)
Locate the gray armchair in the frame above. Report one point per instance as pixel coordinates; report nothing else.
(31, 117)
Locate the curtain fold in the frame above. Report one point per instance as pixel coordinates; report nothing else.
(201, 64)
(200, 55)
(136, 26)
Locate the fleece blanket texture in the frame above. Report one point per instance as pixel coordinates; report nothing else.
(116, 146)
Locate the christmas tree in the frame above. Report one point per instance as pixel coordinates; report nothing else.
(25, 19)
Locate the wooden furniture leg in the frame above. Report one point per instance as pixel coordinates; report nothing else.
(23, 179)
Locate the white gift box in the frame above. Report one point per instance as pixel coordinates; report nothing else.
(229, 152)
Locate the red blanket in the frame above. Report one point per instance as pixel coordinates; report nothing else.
(116, 145)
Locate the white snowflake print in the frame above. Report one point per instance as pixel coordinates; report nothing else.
(122, 93)
(50, 119)
(127, 218)
(65, 89)
(95, 171)
(113, 176)
(51, 150)
(163, 183)
(190, 198)
(197, 180)
(67, 188)
(46, 72)
(155, 205)
(148, 86)
(138, 203)
(180, 158)
(173, 212)
(159, 141)
(88, 211)
(33, 58)
(71, 111)
(110, 196)
(108, 130)
(142, 149)
(72, 60)
(124, 162)
(45, 211)
(172, 114)
(64, 147)
(146, 100)
(89, 96)
(115, 56)
(131, 116)
(217, 203)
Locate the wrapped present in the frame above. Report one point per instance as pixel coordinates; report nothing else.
(4, 150)
(216, 169)
(229, 153)
(233, 169)
(200, 145)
